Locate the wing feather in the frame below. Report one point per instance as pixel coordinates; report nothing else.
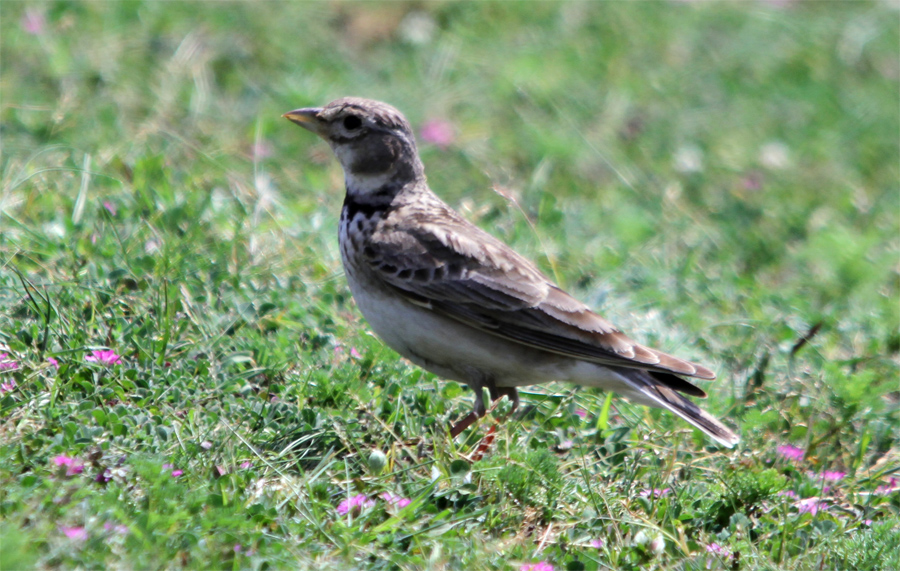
(461, 271)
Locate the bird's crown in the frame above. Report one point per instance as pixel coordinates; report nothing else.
(369, 112)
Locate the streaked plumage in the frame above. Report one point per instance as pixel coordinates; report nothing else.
(458, 302)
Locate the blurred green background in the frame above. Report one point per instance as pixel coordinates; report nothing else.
(718, 178)
(758, 138)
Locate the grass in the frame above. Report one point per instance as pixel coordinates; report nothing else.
(719, 179)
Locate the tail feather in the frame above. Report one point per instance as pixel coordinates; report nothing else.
(678, 384)
(660, 390)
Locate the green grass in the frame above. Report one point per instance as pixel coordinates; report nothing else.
(719, 179)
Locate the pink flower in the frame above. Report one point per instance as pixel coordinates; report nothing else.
(717, 549)
(33, 22)
(7, 363)
(206, 445)
(245, 464)
(597, 543)
(656, 492)
(105, 357)
(353, 352)
(395, 500)
(811, 506)
(110, 207)
(7, 386)
(581, 412)
(356, 504)
(438, 132)
(893, 485)
(76, 533)
(53, 362)
(832, 476)
(262, 149)
(73, 465)
(752, 181)
(540, 566)
(791, 452)
(117, 528)
(177, 473)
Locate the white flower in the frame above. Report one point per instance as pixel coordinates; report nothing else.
(688, 159)
(774, 155)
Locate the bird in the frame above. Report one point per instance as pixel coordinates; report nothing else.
(458, 302)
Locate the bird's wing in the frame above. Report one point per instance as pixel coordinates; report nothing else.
(450, 266)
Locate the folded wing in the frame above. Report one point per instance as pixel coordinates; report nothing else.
(465, 273)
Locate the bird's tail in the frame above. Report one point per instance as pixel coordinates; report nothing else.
(661, 390)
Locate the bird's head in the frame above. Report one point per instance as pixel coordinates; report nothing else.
(373, 142)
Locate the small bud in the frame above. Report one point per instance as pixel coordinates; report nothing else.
(641, 538)
(377, 462)
(651, 543)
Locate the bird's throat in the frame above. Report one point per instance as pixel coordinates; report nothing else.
(366, 186)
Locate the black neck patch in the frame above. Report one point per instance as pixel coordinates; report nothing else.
(352, 207)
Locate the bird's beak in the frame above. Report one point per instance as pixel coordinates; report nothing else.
(307, 118)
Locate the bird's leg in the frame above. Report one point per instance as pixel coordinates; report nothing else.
(496, 393)
(478, 412)
(463, 424)
(509, 392)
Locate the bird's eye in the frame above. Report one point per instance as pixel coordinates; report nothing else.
(352, 122)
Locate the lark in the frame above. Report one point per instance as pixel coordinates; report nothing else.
(460, 303)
